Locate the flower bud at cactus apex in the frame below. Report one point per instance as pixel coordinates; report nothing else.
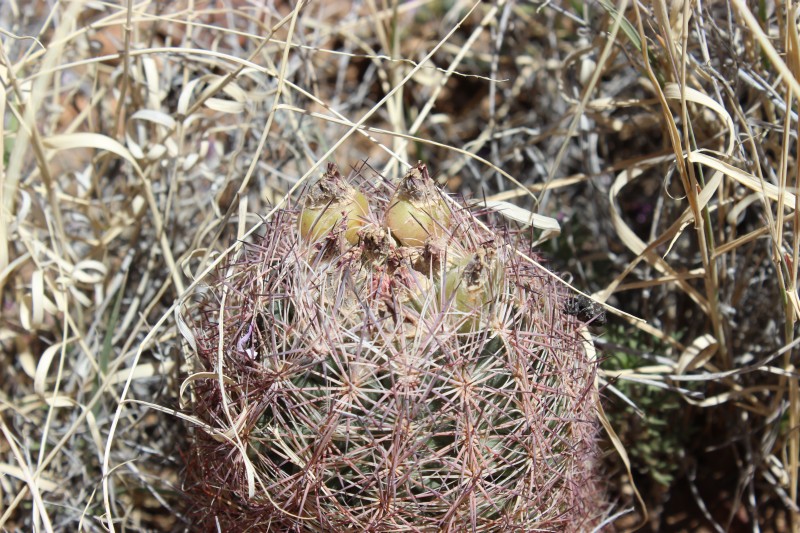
(331, 201)
(417, 212)
(420, 374)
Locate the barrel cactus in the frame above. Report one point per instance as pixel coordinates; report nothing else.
(385, 359)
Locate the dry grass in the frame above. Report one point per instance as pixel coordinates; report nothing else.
(143, 142)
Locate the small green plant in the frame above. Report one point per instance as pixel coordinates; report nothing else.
(381, 360)
(654, 437)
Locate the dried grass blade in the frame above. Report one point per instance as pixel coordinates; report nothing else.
(90, 140)
(745, 178)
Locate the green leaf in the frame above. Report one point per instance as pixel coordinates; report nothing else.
(625, 25)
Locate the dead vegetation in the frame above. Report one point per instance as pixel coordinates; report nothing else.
(143, 142)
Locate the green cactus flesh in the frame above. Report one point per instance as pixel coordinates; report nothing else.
(378, 386)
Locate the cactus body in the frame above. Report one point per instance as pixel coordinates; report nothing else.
(401, 383)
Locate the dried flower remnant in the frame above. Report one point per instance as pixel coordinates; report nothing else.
(425, 382)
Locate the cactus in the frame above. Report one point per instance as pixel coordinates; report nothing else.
(402, 369)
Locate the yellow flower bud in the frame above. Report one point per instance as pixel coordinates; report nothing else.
(330, 201)
(472, 285)
(417, 212)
